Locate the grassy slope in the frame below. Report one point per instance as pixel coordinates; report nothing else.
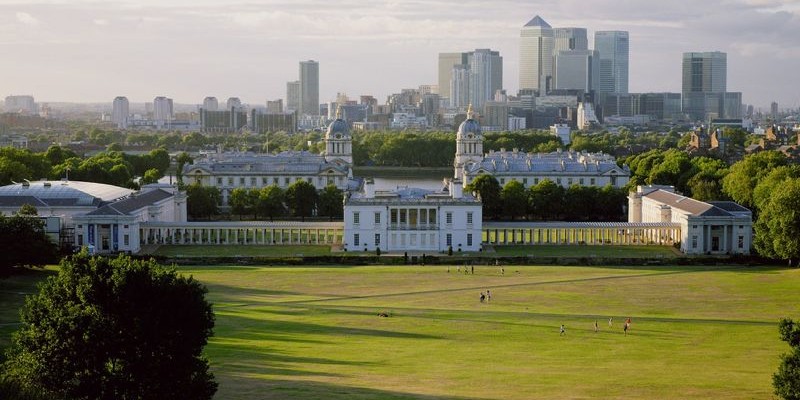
(314, 333)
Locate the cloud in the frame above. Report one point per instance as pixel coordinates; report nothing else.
(27, 19)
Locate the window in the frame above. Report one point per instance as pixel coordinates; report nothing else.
(377, 239)
(525, 181)
(241, 181)
(694, 226)
(694, 241)
(310, 180)
(448, 218)
(535, 181)
(469, 218)
(219, 181)
(469, 240)
(125, 226)
(449, 239)
(230, 181)
(80, 240)
(125, 240)
(569, 181)
(502, 181)
(393, 217)
(558, 181)
(581, 181)
(741, 227)
(356, 218)
(275, 181)
(377, 218)
(252, 181)
(264, 181)
(286, 181)
(591, 181)
(741, 242)
(355, 240)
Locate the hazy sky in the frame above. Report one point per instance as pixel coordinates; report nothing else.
(92, 51)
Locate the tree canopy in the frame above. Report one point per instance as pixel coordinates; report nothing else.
(777, 230)
(23, 242)
(301, 197)
(202, 201)
(488, 188)
(114, 328)
(786, 381)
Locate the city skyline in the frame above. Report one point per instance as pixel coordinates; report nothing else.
(93, 52)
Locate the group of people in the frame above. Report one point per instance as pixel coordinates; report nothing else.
(625, 328)
(487, 297)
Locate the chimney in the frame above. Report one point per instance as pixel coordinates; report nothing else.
(456, 188)
(369, 188)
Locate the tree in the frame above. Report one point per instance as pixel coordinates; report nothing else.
(23, 242)
(115, 328)
(152, 175)
(28, 209)
(330, 202)
(745, 175)
(777, 230)
(487, 187)
(787, 380)
(545, 200)
(202, 201)
(270, 202)
(301, 197)
(515, 199)
(240, 203)
(183, 159)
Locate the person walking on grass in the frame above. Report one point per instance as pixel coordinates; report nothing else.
(625, 329)
(563, 331)
(483, 297)
(488, 296)
(595, 326)
(610, 321)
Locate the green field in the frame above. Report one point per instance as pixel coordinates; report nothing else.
(314, 333)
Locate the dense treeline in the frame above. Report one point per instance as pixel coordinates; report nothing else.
(548, 201)
(112, 166)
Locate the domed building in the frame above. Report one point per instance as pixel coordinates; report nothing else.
(564, 168)
(247, 170)
(338, 141)
(469, 144)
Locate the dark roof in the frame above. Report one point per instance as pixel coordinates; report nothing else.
(18, 201)
(729, 206)
(538, 21)
(696, 207)
(132, 203)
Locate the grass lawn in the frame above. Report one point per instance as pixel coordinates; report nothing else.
(314, 333)
(241, 250)
(12, 296)
(587, 251)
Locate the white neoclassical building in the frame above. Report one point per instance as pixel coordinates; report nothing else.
(228, 171)
(715, 227)
(565, 168)
(412, 219)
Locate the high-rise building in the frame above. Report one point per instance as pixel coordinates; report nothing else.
(275, 106)
(485, 74)
(459, 86)
(704, 90)
(210, 104)
(293, 96)
(447, 61)
(233, 102)
(577, 70)
(773, 107)
(120, 111)
(309, 87)
(162, 111)
(613, 47)
(20, 104)
(536, 55)
(569, 39)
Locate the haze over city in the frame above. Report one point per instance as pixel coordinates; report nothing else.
(86, 51)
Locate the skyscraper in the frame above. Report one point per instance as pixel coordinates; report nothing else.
(569, 39)
(293, 96)
(447, 61)
(210, 103)
(309, 87)
(120, 111)
(459, 86)
(536, 55)
(233, 102)
(577, 70)
(485, 75)
(162, 111)
(704, 90)
(20, 104)
(613, 47)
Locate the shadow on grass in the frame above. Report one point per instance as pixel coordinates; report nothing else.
(243, 387)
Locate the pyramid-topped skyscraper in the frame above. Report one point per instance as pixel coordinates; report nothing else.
(536, 55)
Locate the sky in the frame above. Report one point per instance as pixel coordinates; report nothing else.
(92, 51)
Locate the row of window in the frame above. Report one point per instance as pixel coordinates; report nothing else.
(274, 180)
(448, 218)
(449, 239)
(558, 181)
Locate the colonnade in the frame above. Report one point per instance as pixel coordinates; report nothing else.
(589, 233)
(222, 233)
